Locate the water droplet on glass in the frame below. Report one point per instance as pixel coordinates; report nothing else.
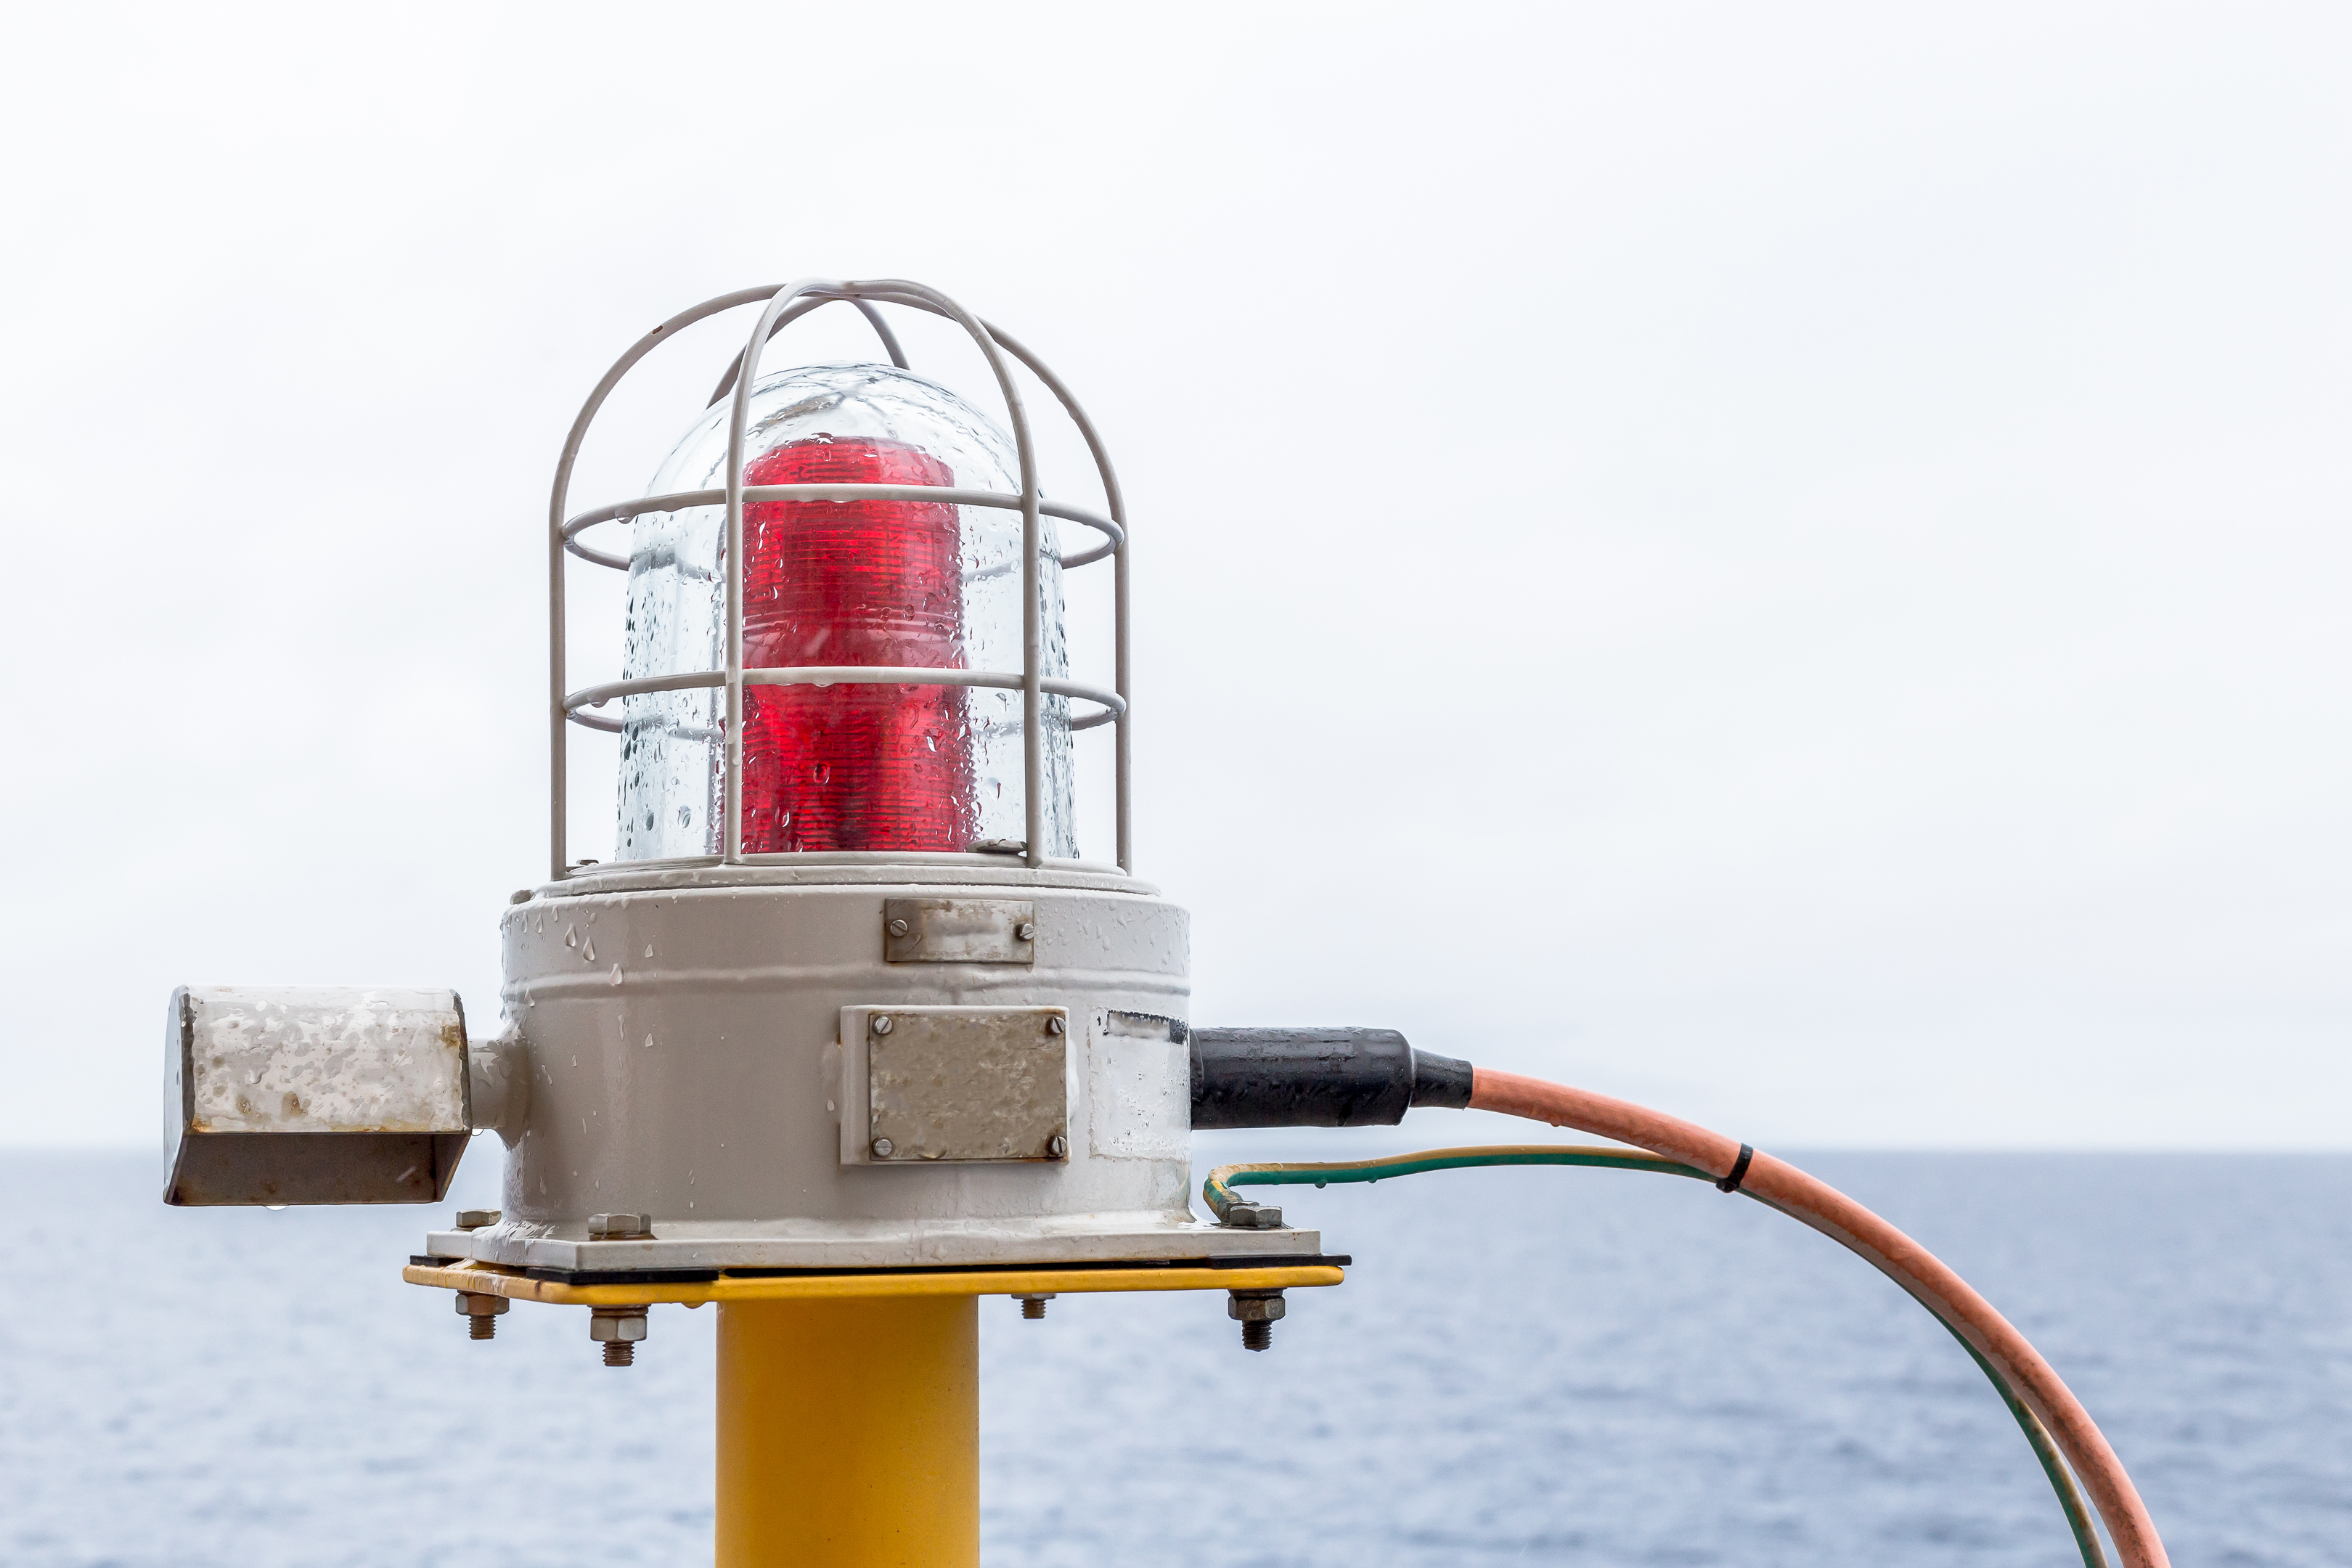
(617, 975)
(589, 952)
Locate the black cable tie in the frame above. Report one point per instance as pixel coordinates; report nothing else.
(1730, 1184)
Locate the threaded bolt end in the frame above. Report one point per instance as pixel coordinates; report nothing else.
(620, 1352)
(1257, 1335)
(1033, 1307)
(481, 1328)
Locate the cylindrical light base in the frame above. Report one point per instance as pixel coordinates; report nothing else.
(849, 1433)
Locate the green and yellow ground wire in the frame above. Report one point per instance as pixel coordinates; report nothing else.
(1218, 1190)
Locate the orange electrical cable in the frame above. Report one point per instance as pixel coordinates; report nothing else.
(1782, 1186)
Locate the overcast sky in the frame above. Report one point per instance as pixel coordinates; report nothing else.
(1791, 565)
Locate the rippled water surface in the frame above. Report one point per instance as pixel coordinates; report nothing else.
(1525, 1366)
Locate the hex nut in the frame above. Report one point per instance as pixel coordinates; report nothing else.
(1254, 1305)
(476, 1219)
(479, 1306)
(1243, 1215)
(1058, 1146)
(617, 1323)
(620, 1227)
(884, 1148)
(881, 1025)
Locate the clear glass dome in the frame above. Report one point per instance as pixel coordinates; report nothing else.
(911, 584)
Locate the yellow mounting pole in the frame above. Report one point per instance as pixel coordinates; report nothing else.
(849, 1403)
(849, 1433)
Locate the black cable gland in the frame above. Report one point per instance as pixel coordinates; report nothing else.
(1316, 1077)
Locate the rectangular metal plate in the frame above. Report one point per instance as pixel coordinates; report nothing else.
(1138, 1073)
(959, 931)
(965, 1083)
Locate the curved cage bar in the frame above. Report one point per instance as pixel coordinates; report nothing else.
(780, 307)
(1116, 500)
(596, 696)
(802, 307)
(755, 495)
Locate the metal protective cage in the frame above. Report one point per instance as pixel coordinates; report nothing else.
(782, 307)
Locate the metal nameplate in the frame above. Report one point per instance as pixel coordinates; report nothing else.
(959, 931)
(958, 1083)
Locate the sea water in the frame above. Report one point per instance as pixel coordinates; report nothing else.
(1526, 1366)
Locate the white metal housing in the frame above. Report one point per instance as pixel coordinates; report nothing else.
(687, 1058)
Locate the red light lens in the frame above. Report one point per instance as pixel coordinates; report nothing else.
(853, 583)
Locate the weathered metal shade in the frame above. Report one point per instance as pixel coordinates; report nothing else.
(314, 1095)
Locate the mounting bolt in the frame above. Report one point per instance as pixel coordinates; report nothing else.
(1257, 1311)
(1026, 930)
(482, 1313)
(476, 1219)
(881, 1025)
(1053, 1024)
(1033, 1308)
(884, 1148)
(618, 1329)
(898, 928)
(1058, 1146)
(620, 1228)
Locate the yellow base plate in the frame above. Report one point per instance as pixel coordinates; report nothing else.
(486, 1280)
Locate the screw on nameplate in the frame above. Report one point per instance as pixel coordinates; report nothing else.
(959, 931)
